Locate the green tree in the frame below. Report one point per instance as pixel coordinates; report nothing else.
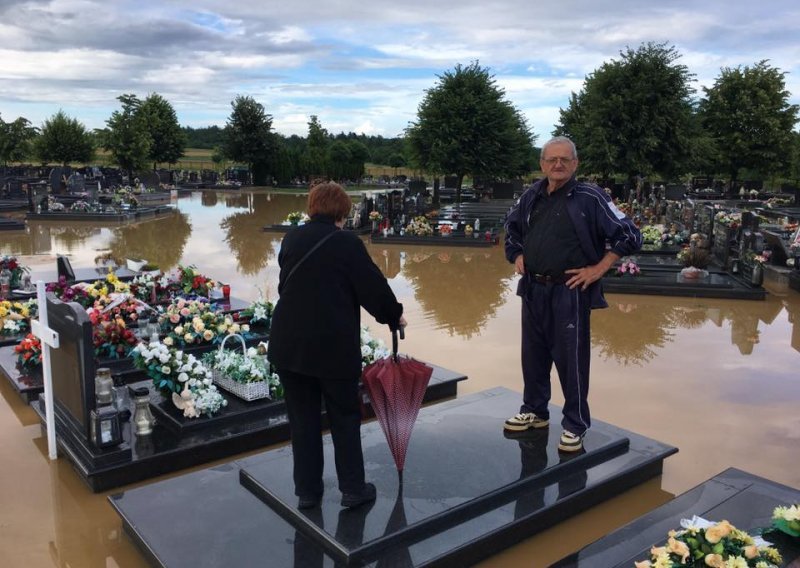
(63, 140)
(466, 126)
(126, 136)
(359, 156)
(633, 115)
(748, 114)
(248, 136)
(315, 162)
(339, 158)
(167, 139)
(15, 140)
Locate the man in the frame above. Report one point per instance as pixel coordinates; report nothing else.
(557, 237)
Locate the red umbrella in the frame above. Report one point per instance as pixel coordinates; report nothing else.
(396, 386)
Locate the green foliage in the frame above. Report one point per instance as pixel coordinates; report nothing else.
(64, 140)
(16, 140)
(465, 126)
(167, 140)
(208, 137)
(126, 136)
(633, 115)
(248, 135)
(747, 112)
(315, 157)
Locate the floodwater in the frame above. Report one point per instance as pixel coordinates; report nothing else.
(719, 379)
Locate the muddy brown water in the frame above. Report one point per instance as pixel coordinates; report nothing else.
(719, 379)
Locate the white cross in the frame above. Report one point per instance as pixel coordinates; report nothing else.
(49, 338)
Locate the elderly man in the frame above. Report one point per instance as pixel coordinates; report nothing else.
(562, 236)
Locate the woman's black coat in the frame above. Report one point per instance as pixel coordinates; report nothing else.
(316, 326)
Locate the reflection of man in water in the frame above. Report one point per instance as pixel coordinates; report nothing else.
(556, 237)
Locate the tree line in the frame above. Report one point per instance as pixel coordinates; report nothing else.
(638, 115)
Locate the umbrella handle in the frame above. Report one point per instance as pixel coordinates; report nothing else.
(394, 340)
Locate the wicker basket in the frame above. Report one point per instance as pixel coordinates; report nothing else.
(246, 391)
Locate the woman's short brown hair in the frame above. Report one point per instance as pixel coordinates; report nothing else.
(329, 199)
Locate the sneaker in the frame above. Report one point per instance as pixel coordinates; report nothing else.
(570, 442)
(351, 500)
(523, 421)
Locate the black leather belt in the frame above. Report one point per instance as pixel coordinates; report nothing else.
(544, 279)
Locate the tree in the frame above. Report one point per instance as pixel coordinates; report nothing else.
(15, 140)
(633, 115)
(748, 114)
(248, 136)
(315, 162)
(359, 156)
(126, 136)
(167, 139)
(339, 158)
(465, 126)
(63, 140)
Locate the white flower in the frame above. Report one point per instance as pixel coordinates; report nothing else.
(166, 370)
(164, 358)
(183, 377)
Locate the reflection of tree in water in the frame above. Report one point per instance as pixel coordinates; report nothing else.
(387, 259)
(160, 241)
(208, 198)
(73, 237)
(744, 328)
(461, 289)
(632, 333)
(689, 317)
(247, 240)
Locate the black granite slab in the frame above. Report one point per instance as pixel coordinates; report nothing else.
(454, 240)
(230, 526)
(669, 282)
(120, 216)
(433, 502)
(240, 427)
(743, 499)
(8, 224)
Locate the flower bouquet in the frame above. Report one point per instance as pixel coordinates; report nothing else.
(11, 264)
(190, 281)
(69, 293)
(651, 235)
(719, 545)
(110, 336)
(627, 267)
(419, 226)
(258, 313)
(371, 349)
(295, 217)
(14, 316)
(695, 260)
(787, 520)
(29, 352)
(180, 376)
(445, 230)
(188, 322)
(375, 216)
(248, 375)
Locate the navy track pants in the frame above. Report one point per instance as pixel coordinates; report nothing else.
(555, 329)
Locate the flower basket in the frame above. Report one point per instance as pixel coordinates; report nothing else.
(134, 264)
(246, 391)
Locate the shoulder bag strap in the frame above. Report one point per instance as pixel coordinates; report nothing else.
(311, 250)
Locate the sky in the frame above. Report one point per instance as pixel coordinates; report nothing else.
(359, 65)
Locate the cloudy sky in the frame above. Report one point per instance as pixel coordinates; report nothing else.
(360, 65)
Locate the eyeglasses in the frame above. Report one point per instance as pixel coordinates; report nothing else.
(564, 161)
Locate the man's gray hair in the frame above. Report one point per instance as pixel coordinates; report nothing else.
(561, 140)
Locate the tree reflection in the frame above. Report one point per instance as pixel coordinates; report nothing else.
(73, 236)
(160, 241)
(630, 333)
(252, 247)
(461, 289)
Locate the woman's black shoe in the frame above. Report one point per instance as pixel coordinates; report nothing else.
(308, 501)
(366, 495)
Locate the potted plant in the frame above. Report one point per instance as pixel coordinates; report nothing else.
(695, 261)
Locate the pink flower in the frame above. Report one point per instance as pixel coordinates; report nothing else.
(185, 312)
(174, 318)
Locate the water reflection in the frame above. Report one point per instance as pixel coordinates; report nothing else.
(160, 241)
(461, 289)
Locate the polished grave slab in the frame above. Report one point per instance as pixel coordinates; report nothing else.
(177, 443)
(743, 499)
(669, 282)
(468, 492)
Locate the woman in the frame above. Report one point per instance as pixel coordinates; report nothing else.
(315, 341)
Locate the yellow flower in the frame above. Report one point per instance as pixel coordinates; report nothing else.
(658, 551)
(663, 561)
(3, 311)
(771, 554)
(208, 335)
(168, 341)
(188, 338)
(718, 532)
(679, 548)
(736, 562)
(715, 561)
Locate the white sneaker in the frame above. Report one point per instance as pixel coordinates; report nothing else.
(523, 421)
(570, 442)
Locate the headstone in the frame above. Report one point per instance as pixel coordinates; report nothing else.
(73, 363)
(450, 182)
(58, 179)
(502, 190)
(674, 192)
(65, 268)
(39, 195)
(417, 187)
(75, 183)
(149, 179)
